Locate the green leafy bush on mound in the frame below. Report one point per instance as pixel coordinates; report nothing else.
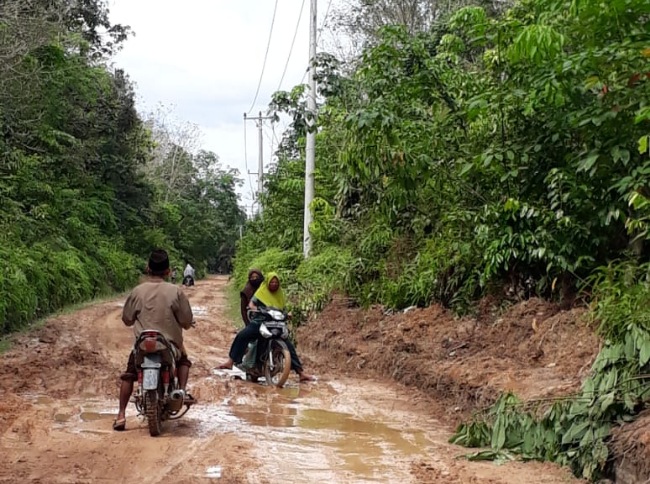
(38, 280)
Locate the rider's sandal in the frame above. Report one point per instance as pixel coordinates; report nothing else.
(119, 424)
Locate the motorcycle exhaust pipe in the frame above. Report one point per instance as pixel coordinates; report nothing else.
(176, 400)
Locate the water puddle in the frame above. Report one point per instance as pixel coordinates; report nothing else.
(199, 310)
(93, 416)
(364, 445)
(85, 409)
(213, 472)
(296, 443)
(68, 413)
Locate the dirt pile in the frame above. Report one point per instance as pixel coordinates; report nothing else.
(631, 445)
(533, 349)
(47, 359)
(57, 361)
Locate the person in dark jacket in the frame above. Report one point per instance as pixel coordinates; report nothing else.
(270, 294)
(255, 278)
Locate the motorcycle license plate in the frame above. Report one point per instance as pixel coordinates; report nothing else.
(150, 379)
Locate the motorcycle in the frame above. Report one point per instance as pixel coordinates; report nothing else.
(158, 396)
(269, 356)
(188, 281)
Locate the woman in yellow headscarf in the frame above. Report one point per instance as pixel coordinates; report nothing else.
(269, 295)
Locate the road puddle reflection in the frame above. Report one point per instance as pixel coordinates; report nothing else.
(93, 416)
(299, 443)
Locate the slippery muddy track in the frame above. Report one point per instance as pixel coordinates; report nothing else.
(58, 390)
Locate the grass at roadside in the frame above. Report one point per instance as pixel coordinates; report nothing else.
(233, 305)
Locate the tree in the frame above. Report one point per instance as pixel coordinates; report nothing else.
(358, 22)
(175, 141)
(86, 188)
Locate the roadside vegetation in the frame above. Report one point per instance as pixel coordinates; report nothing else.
(88, 186)
(489, 149)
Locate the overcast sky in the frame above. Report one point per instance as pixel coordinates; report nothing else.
(205, 58)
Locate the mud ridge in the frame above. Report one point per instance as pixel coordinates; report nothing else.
(533, 349)
(631, 446)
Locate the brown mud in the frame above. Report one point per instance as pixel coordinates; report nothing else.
(59, 384)
(631, 445)
(532, 349)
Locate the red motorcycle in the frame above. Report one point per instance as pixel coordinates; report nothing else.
(157, 395)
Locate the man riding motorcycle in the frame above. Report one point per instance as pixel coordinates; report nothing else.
(156, 305)
(188, 275)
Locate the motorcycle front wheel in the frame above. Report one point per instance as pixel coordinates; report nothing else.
(153, 412)
(281, 364)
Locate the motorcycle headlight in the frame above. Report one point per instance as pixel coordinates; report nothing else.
(277, 315)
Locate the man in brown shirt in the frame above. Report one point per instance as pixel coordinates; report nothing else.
(161, 306)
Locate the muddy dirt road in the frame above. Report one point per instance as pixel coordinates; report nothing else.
(58, 396)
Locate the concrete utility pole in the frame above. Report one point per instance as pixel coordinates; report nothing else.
(310, 150)
(260, 166)
(260, 160)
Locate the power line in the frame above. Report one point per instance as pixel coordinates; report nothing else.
(327, 11)
(320, 31)
(275, 135)
(268, 46)
(295, 34)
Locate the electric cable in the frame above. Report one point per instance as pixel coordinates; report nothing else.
(266, 55)
(293, 41)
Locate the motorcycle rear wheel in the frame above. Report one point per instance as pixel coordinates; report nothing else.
(282, 359)
(153, 412)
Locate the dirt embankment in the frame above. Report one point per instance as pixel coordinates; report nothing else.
(533, 349)
(631, 445)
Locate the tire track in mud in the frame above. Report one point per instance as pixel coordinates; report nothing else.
(58, 396)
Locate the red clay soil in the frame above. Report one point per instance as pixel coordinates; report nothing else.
(631, 445)
(533, 349)
(53, 360)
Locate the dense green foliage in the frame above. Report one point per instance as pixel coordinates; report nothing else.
(78, 213)
(489, 149)
(496, 148)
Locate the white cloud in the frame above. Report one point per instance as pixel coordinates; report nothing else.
(205, 56)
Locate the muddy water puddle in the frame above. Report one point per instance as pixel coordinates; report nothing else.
(199, 310)
(70, 413)
(94, 416)
(297, 440)
(327, 432)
